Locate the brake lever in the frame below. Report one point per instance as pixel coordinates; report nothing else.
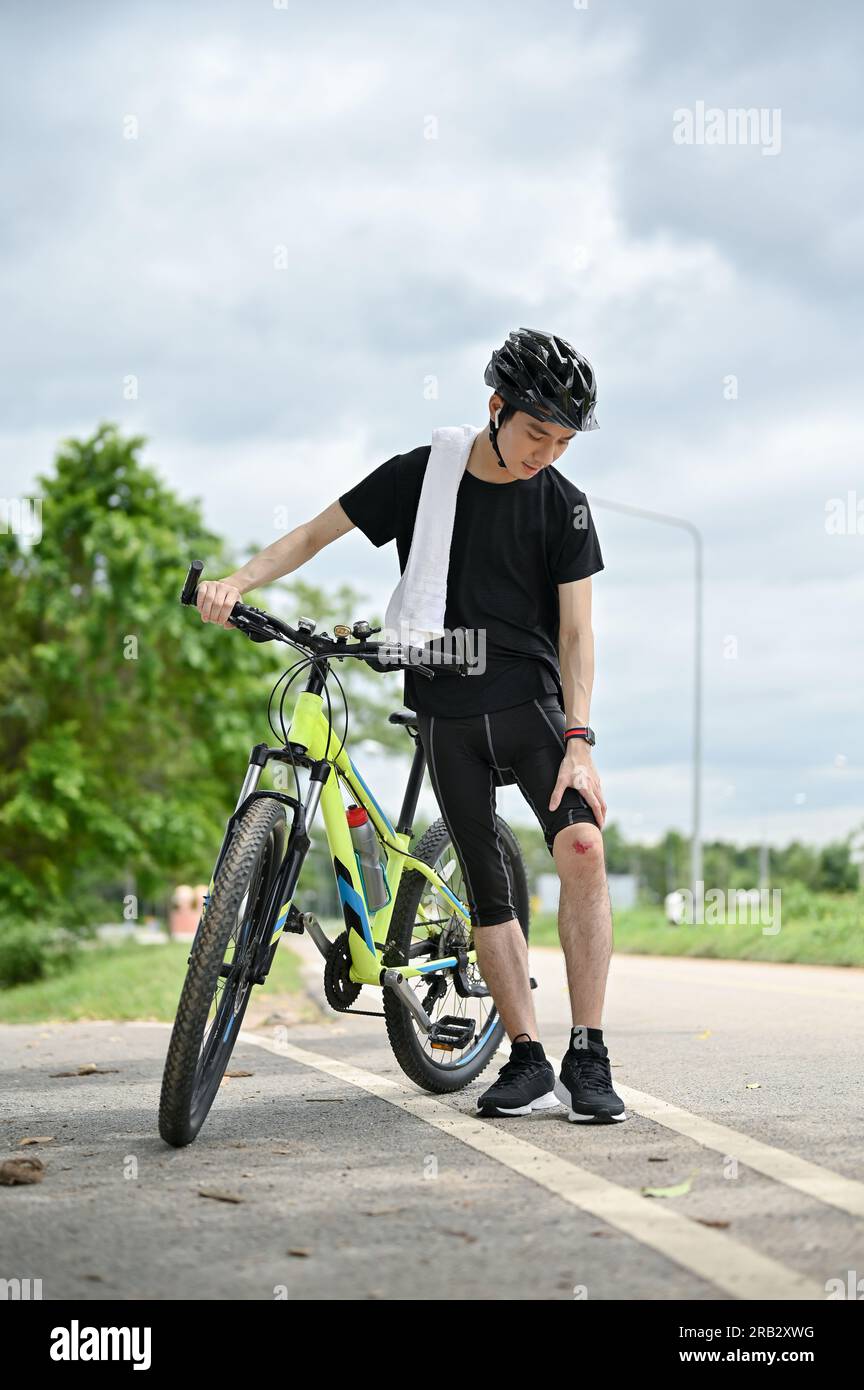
(243, 623)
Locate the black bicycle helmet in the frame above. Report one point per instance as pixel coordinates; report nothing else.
(543, 375)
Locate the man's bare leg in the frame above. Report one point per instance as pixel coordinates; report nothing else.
(502, 955)
(584, 920)
(584, 930)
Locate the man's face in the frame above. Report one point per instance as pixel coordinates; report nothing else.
(528, 445)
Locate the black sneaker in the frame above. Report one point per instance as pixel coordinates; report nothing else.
(584, 1085)
(525, 1083)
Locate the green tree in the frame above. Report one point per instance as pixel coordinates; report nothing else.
(126, 721)
(837, 872)
(795, 863)
(616, 849)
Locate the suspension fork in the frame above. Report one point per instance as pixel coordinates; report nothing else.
(303, 814)
(278, 906)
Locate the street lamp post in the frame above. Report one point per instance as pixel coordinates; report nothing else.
(696, 535)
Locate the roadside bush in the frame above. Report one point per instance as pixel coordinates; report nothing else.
(29, 953)
(22, 955)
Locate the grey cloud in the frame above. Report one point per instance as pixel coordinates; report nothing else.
(409, 258)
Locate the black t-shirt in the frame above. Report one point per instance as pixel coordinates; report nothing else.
(512, 544)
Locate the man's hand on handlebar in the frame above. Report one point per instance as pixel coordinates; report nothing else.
(215, 599)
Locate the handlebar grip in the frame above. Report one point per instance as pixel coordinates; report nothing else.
(188, 594)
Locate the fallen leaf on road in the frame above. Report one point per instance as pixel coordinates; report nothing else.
(658, 1160)
(217, 1195)
(381, 1211)
(300, 1254)
(721, 1225)
(679, 1189)
(88, 1069)
(36, 1139)
(17, 1171)
(464, 1235)
(706, 1034)
(753, 1085)
(239, 1073)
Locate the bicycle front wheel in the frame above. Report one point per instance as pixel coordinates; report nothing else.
(220, 975)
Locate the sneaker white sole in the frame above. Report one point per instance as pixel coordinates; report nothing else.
(601, 1117)
(548, 1102)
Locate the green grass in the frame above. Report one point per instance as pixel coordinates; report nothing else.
(826, 930)
(124, 981)
(130, 981)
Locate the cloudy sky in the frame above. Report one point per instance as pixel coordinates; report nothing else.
(302, 229)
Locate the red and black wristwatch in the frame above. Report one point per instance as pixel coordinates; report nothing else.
(581, 731)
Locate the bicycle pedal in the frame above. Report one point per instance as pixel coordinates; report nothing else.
(451, 1032)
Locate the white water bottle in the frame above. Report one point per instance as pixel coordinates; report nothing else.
(365, 842)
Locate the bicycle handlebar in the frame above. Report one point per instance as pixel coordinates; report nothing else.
(188, 594)
(259, 626)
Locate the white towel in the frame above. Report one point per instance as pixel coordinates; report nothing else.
(415, 613)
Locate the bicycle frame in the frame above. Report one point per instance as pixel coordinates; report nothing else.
(367, 931)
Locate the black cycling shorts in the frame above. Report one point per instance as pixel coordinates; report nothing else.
(467, 758)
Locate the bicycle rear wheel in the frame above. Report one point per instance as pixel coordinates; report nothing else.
(424, 927)
(221, 970)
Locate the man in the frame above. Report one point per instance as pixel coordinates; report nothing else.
(522, 554)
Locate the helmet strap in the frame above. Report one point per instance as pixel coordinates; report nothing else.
(493, 437)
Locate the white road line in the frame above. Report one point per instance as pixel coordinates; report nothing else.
(824, 1185)
(814, 1181)
(712, 1255)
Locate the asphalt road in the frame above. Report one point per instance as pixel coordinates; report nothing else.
(741, 1077)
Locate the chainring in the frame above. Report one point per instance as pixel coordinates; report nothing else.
(339, 990)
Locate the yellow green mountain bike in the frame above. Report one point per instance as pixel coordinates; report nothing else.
(416, 946)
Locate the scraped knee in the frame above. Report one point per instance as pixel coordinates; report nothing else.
(578, 850)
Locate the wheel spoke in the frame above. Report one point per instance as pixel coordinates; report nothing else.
(453, 932)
